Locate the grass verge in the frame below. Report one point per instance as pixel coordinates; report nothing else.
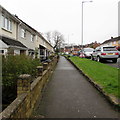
(104, 75)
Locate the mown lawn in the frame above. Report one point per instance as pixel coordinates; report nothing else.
(106, 76)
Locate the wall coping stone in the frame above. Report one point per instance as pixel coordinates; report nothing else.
(39, 66)
(35, 82)
(44, 72)
(24, 76)
(13, 106)
(11, 110)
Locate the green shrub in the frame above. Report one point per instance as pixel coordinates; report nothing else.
(13, 66)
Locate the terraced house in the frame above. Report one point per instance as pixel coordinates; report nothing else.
(8, 34)
(17, 37)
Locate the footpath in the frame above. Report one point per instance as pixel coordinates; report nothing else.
(69, 95)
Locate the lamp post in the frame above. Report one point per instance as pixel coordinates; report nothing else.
(82, 22)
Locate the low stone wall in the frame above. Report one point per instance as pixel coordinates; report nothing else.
(28, 94)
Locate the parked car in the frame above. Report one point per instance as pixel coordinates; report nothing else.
(86, 52)
(105, 53)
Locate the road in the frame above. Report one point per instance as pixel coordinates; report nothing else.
(70, 95)
(117, 65)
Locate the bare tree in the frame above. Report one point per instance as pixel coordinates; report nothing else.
(56, 39)
(48, 36)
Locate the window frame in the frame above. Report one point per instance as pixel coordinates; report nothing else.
(6, 23)
(32, 38)
(23, 33)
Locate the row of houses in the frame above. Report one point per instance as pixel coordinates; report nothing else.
(74, 49)
(17, 37)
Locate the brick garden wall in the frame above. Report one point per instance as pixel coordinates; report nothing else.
(28, 94)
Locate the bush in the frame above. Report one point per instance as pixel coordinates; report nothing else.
(12, 67)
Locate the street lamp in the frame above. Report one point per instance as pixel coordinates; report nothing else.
(82, 23)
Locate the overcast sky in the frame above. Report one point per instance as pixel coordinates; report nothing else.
(100, 17)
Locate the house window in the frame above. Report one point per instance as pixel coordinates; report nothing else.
(42, 51)
(23, 33)
(32, 38)
(6, 23)
(10, 25)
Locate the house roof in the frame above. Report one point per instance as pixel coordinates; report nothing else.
(6, 12)
(112, 40)
(12, 42)
(33, 29)
(25, 23)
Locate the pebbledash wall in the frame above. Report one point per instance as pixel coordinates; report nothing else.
(28, 94)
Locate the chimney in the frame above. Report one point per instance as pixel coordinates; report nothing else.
(16, 16)
(111, 37)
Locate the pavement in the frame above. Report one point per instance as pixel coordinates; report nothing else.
(69, 95)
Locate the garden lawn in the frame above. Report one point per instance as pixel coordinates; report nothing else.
(104, 75)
